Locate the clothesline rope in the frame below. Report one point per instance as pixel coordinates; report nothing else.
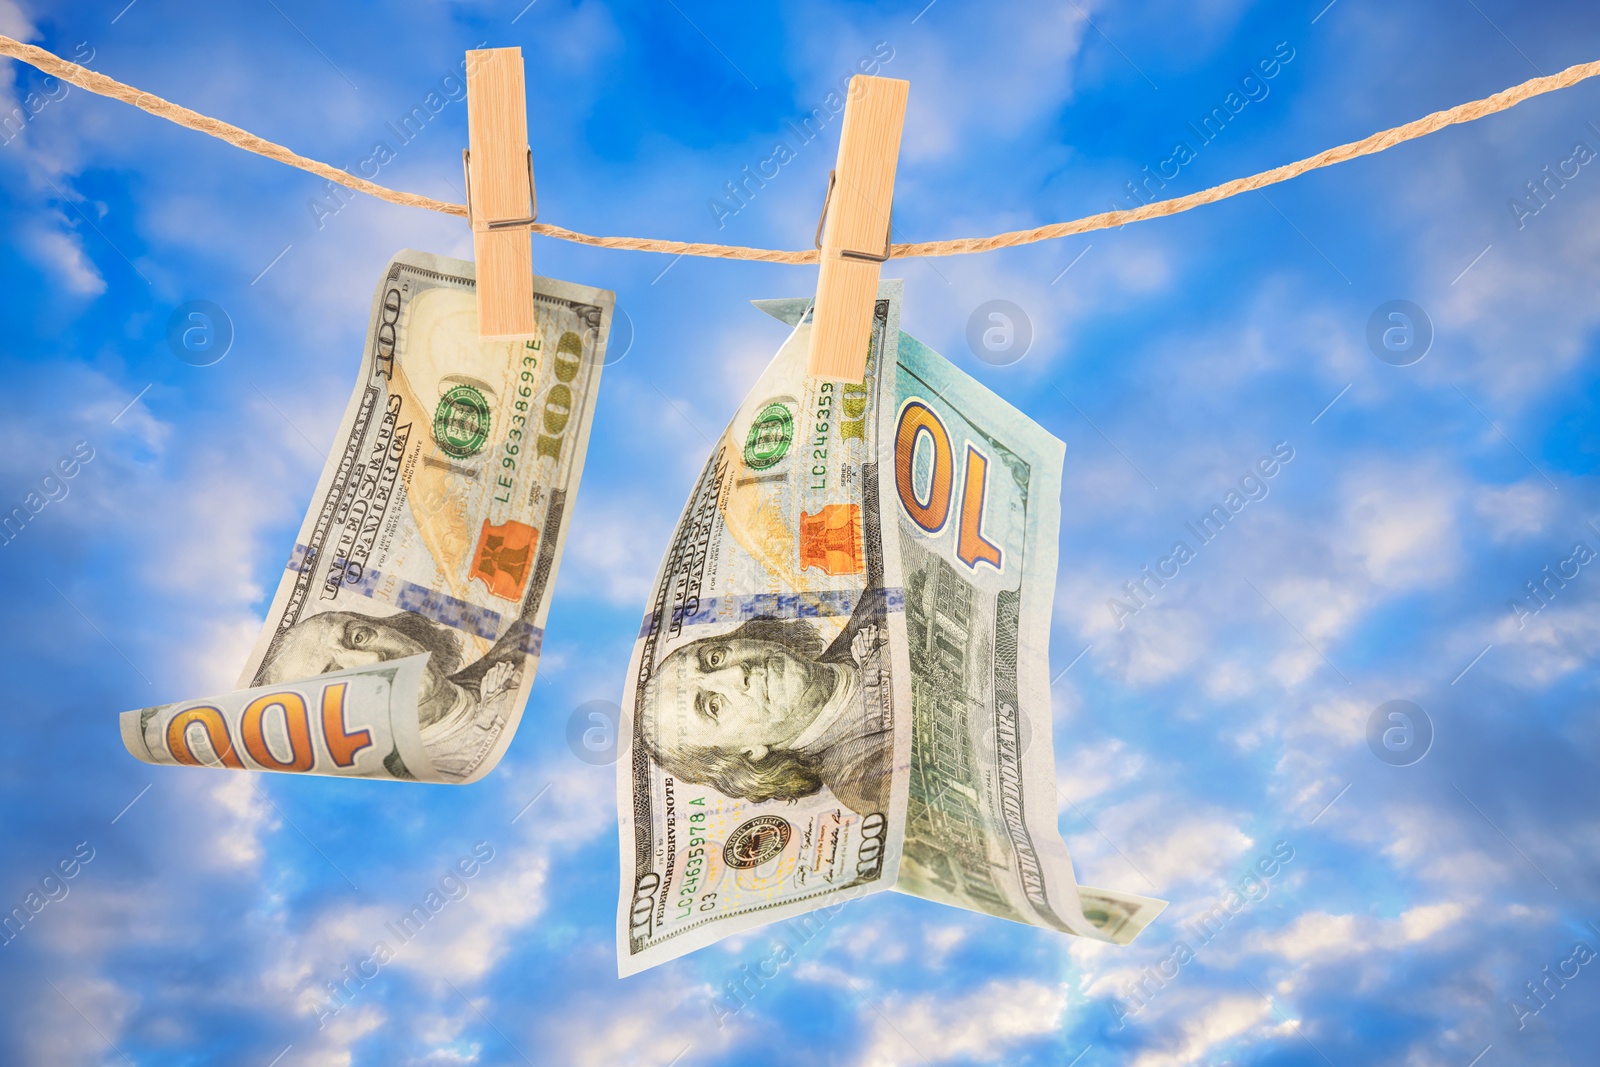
(83, 78)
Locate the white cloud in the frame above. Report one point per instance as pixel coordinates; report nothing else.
(1094, 769)
(1340, 719)
(1314, 935)
(1171, 842)
(507, 896)
(1232, 679)
(61, 251)
(1101, 486)
(15, 22)
(245, 816)
(1318, 936)
(216, 512)
(1514, 512)
(202, 521)
(1161, 643)
(1557, 641)
(1399, 525)
(940, 941)
(1423, 921)
(979, 1025)
(1396, 531)
(54, 1030)
(1224, 1019)
(460, 940)
(643, 1020)
(616, 547)
(1529, 295)
(332, 1049)
(952, 97)
(465, 938)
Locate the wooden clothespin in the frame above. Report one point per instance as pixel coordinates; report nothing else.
(501, 204)
(853, 232)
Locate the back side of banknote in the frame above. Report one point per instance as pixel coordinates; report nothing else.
(976, 501)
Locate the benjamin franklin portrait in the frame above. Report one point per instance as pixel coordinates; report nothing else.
(460, 710)
(769, 712)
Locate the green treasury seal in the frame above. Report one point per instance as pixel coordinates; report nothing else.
(769, 437)
(461, 422)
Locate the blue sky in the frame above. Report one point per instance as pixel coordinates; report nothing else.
(1227, 718)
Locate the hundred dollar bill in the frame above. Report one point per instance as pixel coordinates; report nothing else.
(765, 762)
(405, 632)
(977, 514)
(896, 539)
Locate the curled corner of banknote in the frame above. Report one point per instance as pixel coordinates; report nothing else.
(407, 625)
(351, 723)
(1118, 917)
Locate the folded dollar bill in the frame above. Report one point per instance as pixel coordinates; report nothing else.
(405, 633)
(841, 683)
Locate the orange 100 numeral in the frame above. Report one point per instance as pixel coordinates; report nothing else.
(343, 743)
(931, 510)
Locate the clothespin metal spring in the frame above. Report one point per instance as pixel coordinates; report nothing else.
(503, 224)
(851, 253)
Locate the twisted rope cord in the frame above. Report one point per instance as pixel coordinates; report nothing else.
(87, 79)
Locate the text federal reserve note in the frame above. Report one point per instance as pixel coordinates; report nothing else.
(765, 759)
(406, 629)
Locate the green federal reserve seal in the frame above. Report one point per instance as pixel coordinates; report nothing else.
(770, 435)
(461, 422)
